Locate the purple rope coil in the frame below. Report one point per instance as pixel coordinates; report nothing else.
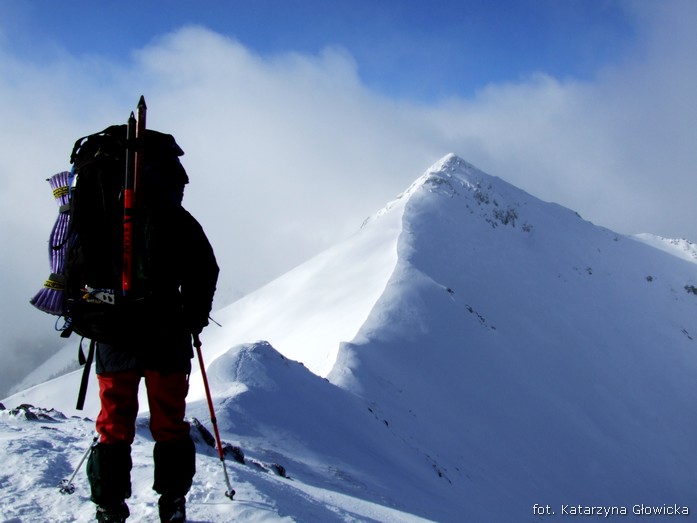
(50, 298)
(60, 184)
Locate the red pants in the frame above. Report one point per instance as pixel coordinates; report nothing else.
(118, 392)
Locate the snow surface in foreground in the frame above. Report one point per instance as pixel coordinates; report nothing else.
(38, 454)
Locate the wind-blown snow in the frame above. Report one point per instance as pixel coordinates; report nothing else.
(678, 247)
(472, 351)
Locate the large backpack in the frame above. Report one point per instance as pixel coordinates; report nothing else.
(89, 282)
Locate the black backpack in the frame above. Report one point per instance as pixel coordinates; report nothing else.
(90, 281)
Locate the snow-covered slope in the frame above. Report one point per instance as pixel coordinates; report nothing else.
(471, 352)
(556, 358)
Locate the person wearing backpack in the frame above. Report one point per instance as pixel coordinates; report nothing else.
(154, 344)
(134, 272)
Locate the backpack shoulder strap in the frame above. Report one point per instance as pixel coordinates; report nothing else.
(87, 362)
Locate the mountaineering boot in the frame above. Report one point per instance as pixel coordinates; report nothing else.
(113, 514)
(172, 510)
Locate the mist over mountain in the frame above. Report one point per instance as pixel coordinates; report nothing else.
(472, 353)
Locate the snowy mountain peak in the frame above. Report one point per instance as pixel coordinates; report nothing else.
(446, 171)
(452, 163)
(457, 191)
(452, 176)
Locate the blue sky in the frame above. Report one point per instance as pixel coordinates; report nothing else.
(300, 119)
(417, 49)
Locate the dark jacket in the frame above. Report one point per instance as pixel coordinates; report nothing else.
(182, 275)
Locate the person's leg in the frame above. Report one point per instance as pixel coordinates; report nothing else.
(167, 401)
(174, 453)
(109, 464)
(118, 392)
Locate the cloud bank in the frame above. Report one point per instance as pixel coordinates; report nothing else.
(289, 153)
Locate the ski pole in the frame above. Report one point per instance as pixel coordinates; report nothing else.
(129, 207)
(135, 145)
(67, 486)
(230, 492)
